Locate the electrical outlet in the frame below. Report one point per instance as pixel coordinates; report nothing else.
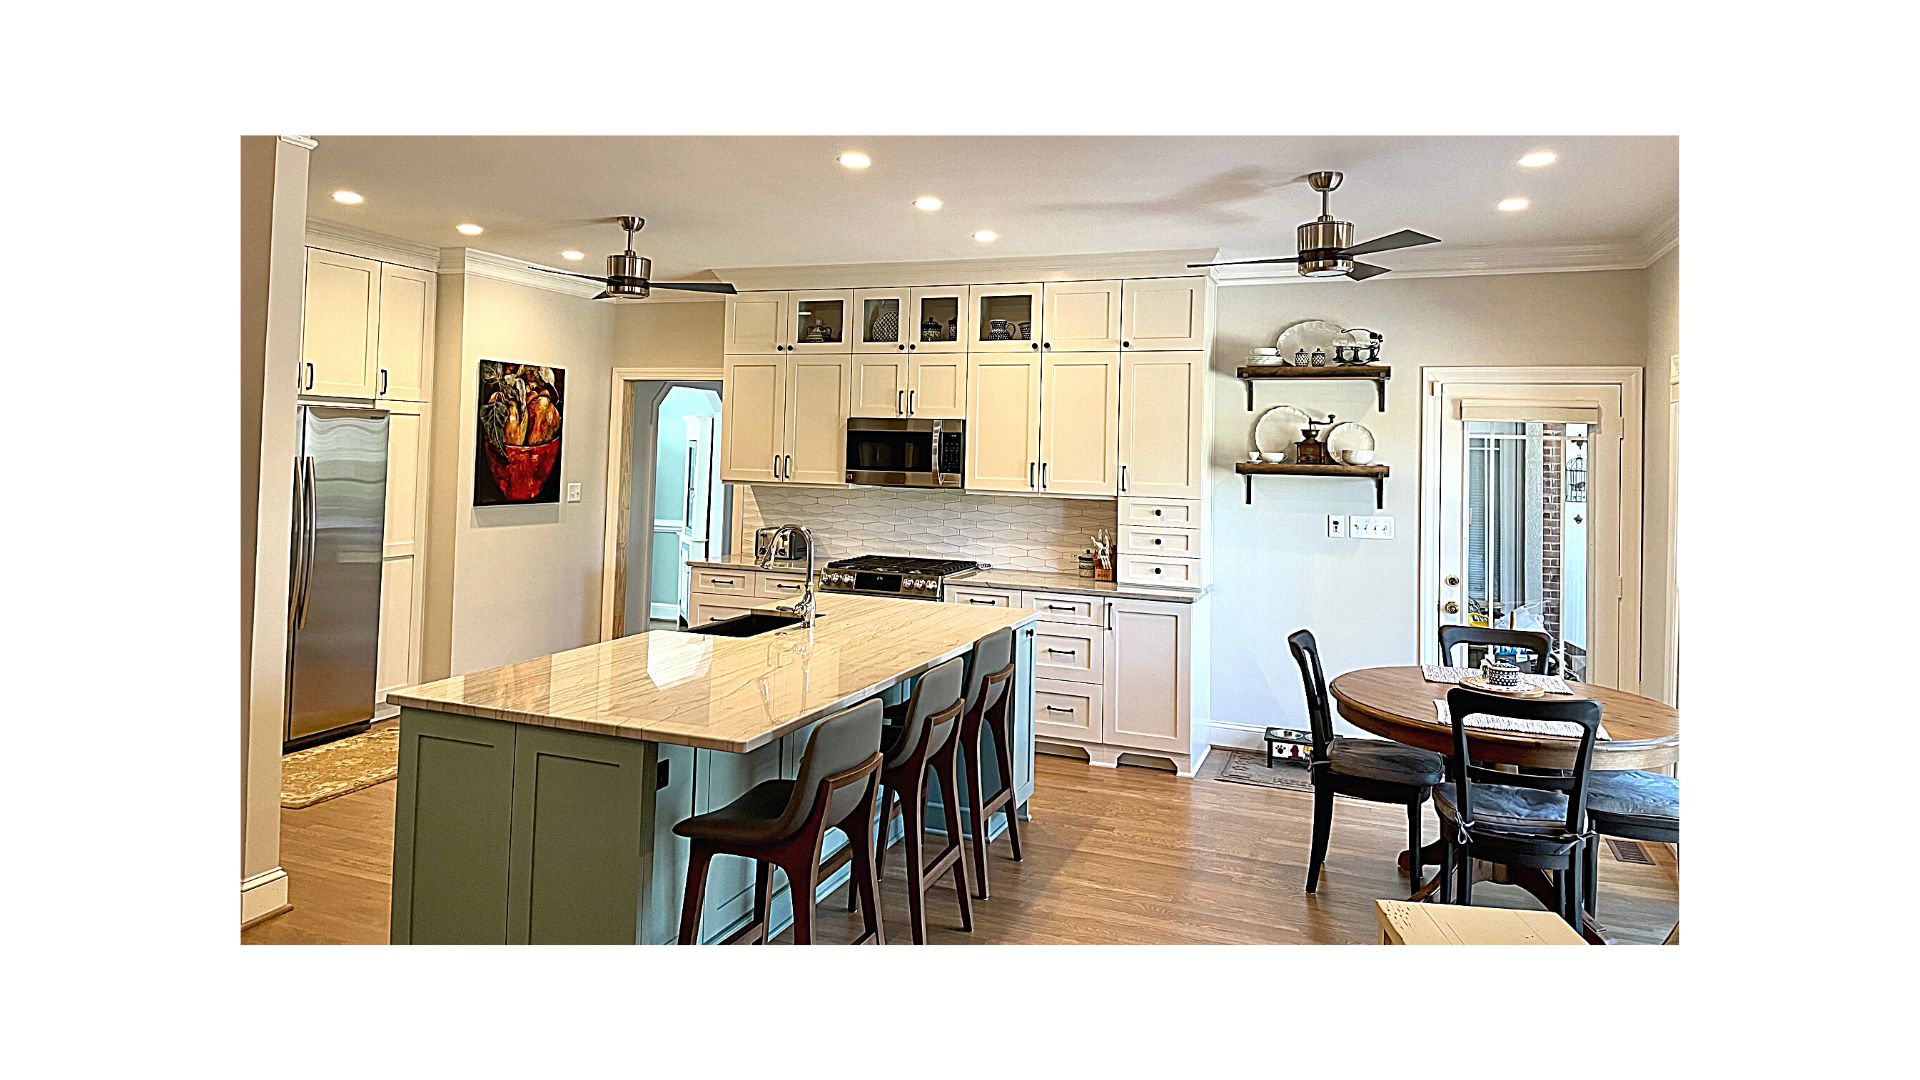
(1336, 526)
(573, 492)
(1378, 527)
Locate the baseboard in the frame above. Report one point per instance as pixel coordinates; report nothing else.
(263, 896)
(1237, 736)
(669, 612)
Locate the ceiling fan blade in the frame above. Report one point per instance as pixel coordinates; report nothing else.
(566, 273)
(1243, 262)
(1405, 238)
(1362, 271)
(695, 286)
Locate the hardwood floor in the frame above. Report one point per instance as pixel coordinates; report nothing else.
(1113, 856)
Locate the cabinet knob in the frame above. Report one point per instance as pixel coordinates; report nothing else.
(913, 348)
(1156, 569)
(1126, 344)
(1157, 541)
(903, 348)
(1046, 344)
(1036, 345)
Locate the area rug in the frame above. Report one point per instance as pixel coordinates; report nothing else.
(339, 768)
(1243, 768)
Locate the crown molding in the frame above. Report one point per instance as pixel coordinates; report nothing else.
(1663, 236)
(1120, 264)
(348, 240)
(300, 141)
(486, 264)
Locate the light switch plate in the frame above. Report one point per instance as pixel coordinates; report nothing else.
(1336, 526)
(573, 492)
(1375, 527)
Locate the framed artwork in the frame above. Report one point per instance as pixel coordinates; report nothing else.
(517, 452)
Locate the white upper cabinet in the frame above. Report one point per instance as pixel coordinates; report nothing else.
(340, 325)
(754, 419)
(883, 319)
(1164, 314)
(1081, 316)
(816, 435)
(937, 387)
(939, 320)
(1003, 318)
(1003, 423)
(1163, 444)
(756, 323)
(405, 348)
(1079, 424)
(880, 384)
(820, 322)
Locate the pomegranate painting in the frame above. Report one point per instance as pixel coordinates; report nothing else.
(518, 452)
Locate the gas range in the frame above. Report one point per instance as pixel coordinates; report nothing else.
(893, 575)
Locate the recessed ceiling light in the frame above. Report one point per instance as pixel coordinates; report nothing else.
(573, 256)
(351, 198)
(1513, 204)
(853, 159)
(928, 202)
(986, 236)
(468, 229)
(1538, 159)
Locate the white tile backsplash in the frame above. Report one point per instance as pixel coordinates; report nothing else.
(1019, 532)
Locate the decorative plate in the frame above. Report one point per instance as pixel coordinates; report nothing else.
(1524, 690)
(1348, 435)
(1279, 428)
(1311, 334)
(886, 326)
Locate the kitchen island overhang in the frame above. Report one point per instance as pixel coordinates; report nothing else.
(536, 800)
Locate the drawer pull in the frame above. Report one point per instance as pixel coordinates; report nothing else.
(1060, 652)
(1060, 607)
(785, 585)
(1057, 708)
(723, 581)
(978, 600)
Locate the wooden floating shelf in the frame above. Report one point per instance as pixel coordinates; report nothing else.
(1378, 374)
(1377, 473)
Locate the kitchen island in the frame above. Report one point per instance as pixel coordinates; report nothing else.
(537, 800)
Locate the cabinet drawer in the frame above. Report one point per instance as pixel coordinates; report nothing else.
(981, 596)
(730, 582)
(782, 586)
(1068, 608)
(1153, 570)
(1070, 652)
(1161, 513)
(1163, 543)
(1067, 710)
(704, 612)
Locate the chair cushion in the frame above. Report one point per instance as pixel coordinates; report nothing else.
(1382, 759)
(1503, 807)
(749, 819)
(1646, 798)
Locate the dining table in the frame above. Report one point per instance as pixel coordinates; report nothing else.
(1398, 703)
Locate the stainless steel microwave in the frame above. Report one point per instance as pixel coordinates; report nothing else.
(905, 452)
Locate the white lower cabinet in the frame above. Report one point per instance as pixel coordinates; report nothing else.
(1149, 688)
(1068, 711)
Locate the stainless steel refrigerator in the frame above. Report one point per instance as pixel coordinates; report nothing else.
(333, 606)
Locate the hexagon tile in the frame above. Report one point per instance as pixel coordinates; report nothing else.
(1022, 533)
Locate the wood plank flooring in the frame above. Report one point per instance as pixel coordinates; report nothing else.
(1113, 856)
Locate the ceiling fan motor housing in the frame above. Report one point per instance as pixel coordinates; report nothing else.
(1317, 241)
(627, 276)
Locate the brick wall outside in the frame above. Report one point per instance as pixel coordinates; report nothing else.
(1552, 504)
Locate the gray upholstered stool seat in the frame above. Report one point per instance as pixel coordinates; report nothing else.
(1507, 808)
(1382, 759)
(1636, 797)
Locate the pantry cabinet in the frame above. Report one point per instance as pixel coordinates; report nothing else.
(1079, 423)
(1164, 313)
(398, 659)
(785, 419)
(340, 325)
(1081, 316)
(1163, 437)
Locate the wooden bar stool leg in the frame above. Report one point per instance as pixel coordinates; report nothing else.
(698, 856)
(762, 898)
(946, 769)
(977, 813)
(802, 885)
(864, 883)
(1003, 751)
(912, 812)
(879, 852)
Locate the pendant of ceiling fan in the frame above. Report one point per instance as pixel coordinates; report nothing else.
(1325, 245)
(628, 273)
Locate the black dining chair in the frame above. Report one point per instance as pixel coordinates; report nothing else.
(1536, 820)
(1377, 770)
(1632, 805)
(1536, 644)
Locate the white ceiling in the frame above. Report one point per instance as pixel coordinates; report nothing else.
(764, 201)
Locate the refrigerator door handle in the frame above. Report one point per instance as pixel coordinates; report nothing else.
(306, 558)
(298, 583)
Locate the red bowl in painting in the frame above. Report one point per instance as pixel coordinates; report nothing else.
(521, 471)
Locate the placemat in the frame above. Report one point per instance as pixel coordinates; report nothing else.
(1560, 729)
(1440, 673)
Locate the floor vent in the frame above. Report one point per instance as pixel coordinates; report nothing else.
(1629, 852)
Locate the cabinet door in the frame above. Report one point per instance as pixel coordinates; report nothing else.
(451, 850)
(756, 322)
(1164, 313)
(880, 384)
(1079, 424)
(1003, 423)
(1082, 316)
(1149, 673)
(1163, 444)
(816, 421)
(820, 321)
(705, 611)
(340, 326)
(937, 387)
(582, 837)
(397, 664)
(883, 320)
(754, 407)
(1067, 710)
(939, 323)
(1003, 318)
(406, 333)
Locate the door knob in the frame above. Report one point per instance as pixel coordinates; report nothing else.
(1451, 607)
(1452, 580)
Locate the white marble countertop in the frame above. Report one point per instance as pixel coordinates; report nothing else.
(1038, 580)
(734, 694)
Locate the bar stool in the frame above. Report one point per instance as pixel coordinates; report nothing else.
(925, 743)
(783, 822)
(989, 705)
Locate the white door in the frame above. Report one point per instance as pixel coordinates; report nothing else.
(753, 410)
(816, 420)
(937, 387)
(820, 322)
(1149, 683)
(882, 319)
(1163, 444)
(1003, 318)
(1080, 424)
(1003, 423)
(340, 325)
(756, 322)
(1081, 316)
(880, 384)
(406, 333)
(1530, 529)
(939, 320)
(1164, 313)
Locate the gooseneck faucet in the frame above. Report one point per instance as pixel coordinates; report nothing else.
(804, 607)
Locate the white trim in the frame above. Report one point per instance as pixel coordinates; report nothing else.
(1126, 264)
(347, 240)
(486, 264)
(262, 895)
(663, 612)
(300, 141)
(1663, 236)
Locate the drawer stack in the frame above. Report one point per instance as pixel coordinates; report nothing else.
(1162, 542)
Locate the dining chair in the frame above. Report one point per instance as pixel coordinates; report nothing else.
(1376, 770)
(1632, 805)
(1537, 645)
(1536, 820)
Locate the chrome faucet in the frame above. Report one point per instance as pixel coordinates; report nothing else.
(803, 607)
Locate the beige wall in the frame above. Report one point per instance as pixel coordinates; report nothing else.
(679, 334)
(1663, 458)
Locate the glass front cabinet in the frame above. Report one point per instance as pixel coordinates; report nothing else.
(1004, 318)
(820, 322)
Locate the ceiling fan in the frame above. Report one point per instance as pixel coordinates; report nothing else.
(627, 272)
(1326, 246)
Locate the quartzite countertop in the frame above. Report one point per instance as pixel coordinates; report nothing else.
(717, 693)
(1037, 580)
